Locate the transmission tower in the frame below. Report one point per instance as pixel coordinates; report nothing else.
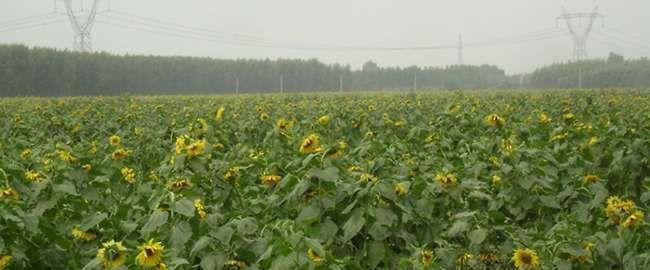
(579, 33)
(460, 50)
(82, 28)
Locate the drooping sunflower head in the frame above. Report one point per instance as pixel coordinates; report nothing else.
(426, 257)
(310, 144)
(179, 184)
(128, 175)
(400, 190)
(634, 220)
(591, 178)
(495, 120)
(83, 235)
(112, 254)
(196, 148)
(114, 140)
(4, 261)
(25, 154)
(236, 264)
(120, 153)
(32, 175)
(271, 180)
(200, 208)
(9, 194)
(544, 119)
(314, 257)
(87, 167)
(219, 114)
(151, 254)
(324, 120)
(446, 180)
(525, 258)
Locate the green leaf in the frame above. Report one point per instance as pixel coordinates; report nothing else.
(550, 201)
(157, 219)
(224, 234)
(180, 234)
(309, 214)
(215, 260)
(315, 246)
(353, 225)
(458, 227)
(93, 220)
(330, 174)
(184, 207)
(66, 187)
(200, 244)
(95, 263)
(384, 216)
(477, 236)
(376, 253)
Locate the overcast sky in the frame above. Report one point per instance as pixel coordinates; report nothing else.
(356, 23)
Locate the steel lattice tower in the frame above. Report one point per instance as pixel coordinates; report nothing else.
(580, 36)
(82, 28)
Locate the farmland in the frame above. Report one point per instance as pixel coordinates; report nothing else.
(444, 180)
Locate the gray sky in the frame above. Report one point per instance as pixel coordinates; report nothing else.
(367, 23)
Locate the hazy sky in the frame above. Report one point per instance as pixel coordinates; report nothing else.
(358, 23)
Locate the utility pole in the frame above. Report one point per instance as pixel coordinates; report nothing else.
(415, 82)
(340, 83)
(281, 84)
(82, 28)
(237, 86)
(579, 75)
(461, 61)
(580, 36)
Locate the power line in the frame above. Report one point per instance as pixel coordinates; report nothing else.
(612, 41)
(28, 19)
(32, 26)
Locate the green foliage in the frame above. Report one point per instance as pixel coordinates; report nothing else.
(394, 178)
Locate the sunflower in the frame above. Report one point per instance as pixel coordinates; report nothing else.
(66, 156)
(219, 114)
(114, 140)
(200, 208)
(87, 167)
(9, 193)
(181, 143)
(591, 178)
(314, 257)
(271, 180)
(310, 144)
(324, 120)
(150, 254)
(488, 258)
(128, 175)
(616, 208)
(264, 116)
(32, 175)
(400, 190)
(83, 235)
(236, 263)
(525, 258)
(25, 154)
(4, 261)
(231, 174)
(426, 257)
(119, 154)
(634, 219)
(496, 180)
(446, 181)
(366, 177)
(112, 254)
(495, 120)
(543, 119)
(179, 184)
(196, 148)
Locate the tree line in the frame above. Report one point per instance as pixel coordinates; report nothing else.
(613, 72)
(27, 71)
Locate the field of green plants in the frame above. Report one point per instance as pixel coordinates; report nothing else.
(444, 180)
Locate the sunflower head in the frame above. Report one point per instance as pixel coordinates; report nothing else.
(591, 178)
(9, 194)
(544, 119)
(32, 175)
(179, 184)
(87, 167)
(634, 220)
(314, 257)
(25, 154)
(119, 154)
(112, 254)
(114, 140)
(4, 261)
(219, 114)
(151, 254)
(83, 235)
(400, 190)
(495, 120)
(196, 148)
(446, 180)
(426, 257)
(525, 258)
(200, 208)
(128, 175)
(271, 180)
(310, 144)
(324, 120)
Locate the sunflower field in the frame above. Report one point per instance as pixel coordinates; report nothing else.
(444, 180)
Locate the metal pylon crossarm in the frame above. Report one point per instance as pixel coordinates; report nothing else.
(82, 28)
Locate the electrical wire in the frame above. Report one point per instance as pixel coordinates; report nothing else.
(27, 20)
(17, 28)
